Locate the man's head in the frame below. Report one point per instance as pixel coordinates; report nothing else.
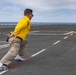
(28, 13)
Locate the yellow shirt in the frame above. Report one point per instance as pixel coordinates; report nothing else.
(22, 28)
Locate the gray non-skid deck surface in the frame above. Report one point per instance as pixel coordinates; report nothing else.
(57, 60)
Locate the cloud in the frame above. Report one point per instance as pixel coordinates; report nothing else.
(50, 4)
(46, 4)
(52, 9)
(38, 5)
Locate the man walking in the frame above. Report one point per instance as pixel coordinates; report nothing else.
(17, 40)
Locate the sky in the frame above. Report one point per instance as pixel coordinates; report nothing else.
(43, 10)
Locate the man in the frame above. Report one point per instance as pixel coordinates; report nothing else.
(17, 40)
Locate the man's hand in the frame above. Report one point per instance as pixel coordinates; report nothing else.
(9, 36)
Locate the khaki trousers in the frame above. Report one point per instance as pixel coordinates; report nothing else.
(16, 47)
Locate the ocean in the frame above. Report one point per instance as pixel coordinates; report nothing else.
(39, 23)
(8, 23)
(13, 23)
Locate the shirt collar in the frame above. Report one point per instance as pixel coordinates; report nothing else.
(27, 18)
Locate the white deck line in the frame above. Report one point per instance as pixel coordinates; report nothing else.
(6, 45)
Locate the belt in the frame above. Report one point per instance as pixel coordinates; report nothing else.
(19, 38)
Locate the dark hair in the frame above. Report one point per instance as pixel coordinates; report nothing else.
(27, 11)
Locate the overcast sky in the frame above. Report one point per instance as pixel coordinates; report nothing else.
(43, 10)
